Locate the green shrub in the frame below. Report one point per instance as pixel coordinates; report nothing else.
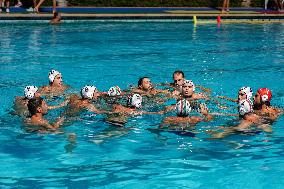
(156, 3)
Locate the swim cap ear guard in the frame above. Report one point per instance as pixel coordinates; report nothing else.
(52, 74)
(183, 108)
(190, 83)
(30, 91)
(135, 100)
(114, 91)
(248, 91)
(88, 91)
(245, 107)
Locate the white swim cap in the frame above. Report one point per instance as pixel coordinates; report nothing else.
(189, 83)
(245, 107)
(183, 108)
(88, 91)
(30, 91)
(114, 91)
(247, 91)
(52, 74)
(135, 100)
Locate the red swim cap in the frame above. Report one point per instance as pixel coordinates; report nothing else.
(265, 94)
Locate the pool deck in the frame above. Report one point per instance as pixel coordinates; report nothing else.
(205, 14)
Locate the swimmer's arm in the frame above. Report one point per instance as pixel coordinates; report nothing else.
(201, 96)
(167, 121)
(148, 113)
(227, 132)
(59, 122)
(194, 119)
(175, 94)
(265, 127)
(223, 114)
(220, 105)
(92, 108)
(243, 125)
(152, 113)
(169, 108)
(207, 90)
(54, 6)
(43, 90)
(136, 90)
(278, 111)
(59, 106)
(165, 84)
(47, 125)
(163, 91)
(227, 98)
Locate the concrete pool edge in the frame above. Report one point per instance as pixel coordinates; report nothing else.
(201, 18)
(139, 14)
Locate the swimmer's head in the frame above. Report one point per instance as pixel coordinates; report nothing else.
(265, 94)
(88, 92)
(245, 107)
(114, 91)
(31, 92)
(188, 88)
(183, 108)
(56, 15)
(145, 84)
(37, 105)
(245, 93)
(55, 78)
(178, 77)
(262, 96)
(135, 100)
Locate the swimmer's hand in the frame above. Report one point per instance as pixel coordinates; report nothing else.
(204, 111)
(59, 122)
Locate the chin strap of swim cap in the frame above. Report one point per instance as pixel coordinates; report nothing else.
(114, 91)
(88, 91)
(245, 107)
(190, 83)
(30, 91)
(265, 94)
(135, 100)
(52, 74)
(248, 91)
(183, 107)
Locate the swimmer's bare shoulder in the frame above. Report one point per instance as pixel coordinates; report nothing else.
(73, 97)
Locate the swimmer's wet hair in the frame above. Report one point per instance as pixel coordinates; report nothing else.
(178, 72)
(55, 14)
(140, 81)
(34, 104)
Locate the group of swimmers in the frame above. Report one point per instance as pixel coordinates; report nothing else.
(120, 105)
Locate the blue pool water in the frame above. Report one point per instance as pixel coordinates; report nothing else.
(222, 58)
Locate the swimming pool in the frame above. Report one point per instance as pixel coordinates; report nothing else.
(222, 58)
